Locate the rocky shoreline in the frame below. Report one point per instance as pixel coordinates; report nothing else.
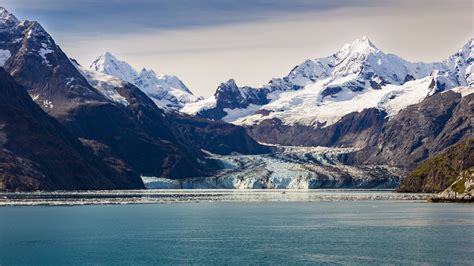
(461, 190)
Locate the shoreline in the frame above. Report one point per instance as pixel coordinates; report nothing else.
(195, 196)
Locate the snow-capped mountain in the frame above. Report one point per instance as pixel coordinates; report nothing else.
(105, 84)
(33, 58)
(167, 91)
(319, 92)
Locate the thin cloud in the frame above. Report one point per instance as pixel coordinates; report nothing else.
(140, 15)
(263, 44)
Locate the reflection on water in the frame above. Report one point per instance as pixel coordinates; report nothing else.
(181, 196)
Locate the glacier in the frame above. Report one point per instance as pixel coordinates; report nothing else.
(289, 167)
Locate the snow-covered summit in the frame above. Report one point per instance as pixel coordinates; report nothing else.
(7, 17)
(110, 65)
(106, 84)
(167, 91)
(358, 46)
(359, 65)
(460, 64)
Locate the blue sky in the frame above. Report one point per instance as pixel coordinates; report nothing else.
(206, 42)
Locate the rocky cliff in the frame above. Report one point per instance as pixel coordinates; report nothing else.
(37, 153)
(439, 172)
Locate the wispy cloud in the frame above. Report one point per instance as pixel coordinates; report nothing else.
(141, 15)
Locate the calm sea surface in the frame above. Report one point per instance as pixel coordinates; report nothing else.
(240, 232)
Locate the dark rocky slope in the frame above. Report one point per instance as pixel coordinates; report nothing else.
(37, 153)
(422, 130)
(353, 130)
(215, 136)
(439, 172)
(138, 134)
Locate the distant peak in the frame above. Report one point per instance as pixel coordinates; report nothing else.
(230, 83)
(147, 72)
(470, 43)
(108, 55)
(362, 45)
(110, 65)
(7, 16)
(364, 40)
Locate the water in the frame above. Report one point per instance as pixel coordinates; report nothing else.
(239, 232)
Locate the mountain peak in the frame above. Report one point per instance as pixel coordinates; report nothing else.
(230, 83)
(6, 16)
(147, 72)
(110, 65)
(469, 46)
(108, 56)
(362, 45)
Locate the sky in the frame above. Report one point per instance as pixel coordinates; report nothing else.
(206, 42)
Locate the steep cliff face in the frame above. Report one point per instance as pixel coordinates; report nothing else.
(215, 136)
(355, 129)
(422, 130)
(37, 153)
(440, 171)
(37, 63)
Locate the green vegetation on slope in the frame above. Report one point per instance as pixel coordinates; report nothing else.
(460, 186)
(439, 172)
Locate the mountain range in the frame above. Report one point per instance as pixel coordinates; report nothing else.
(107, 126)
(319, 92)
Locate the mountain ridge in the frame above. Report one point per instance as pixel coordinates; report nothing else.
(167, 91)
(314, 93)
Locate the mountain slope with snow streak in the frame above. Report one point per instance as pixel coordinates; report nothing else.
(105, 84)
(167, 91)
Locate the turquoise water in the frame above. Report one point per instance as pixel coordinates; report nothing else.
(355, 232)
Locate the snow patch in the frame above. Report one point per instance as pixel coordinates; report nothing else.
(105, 84)
(44, 50)
(234, 114)
(47, 104)
(196, 107)
(4, 56)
